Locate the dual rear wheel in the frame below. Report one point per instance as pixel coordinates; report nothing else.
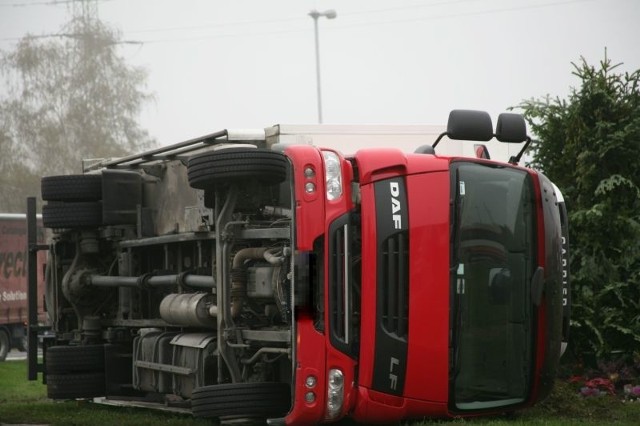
(75, 372)
(74, 201)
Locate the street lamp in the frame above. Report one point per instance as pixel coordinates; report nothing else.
(329, 14)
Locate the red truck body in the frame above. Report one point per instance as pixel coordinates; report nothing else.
(242, 275)
(13, 282)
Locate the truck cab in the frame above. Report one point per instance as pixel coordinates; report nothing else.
(246, 274)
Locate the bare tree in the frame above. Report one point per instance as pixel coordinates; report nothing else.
(69, 96)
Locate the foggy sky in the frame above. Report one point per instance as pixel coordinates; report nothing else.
(251, 63)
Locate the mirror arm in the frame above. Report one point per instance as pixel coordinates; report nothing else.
(439, 138)
(515, 160)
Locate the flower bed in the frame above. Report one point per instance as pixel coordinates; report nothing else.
(620, 377)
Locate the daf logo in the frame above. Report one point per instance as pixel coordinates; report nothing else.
(395, 205)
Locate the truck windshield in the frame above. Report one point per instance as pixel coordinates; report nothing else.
(492, 264)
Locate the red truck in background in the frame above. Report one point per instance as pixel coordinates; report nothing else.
(248, 274)
(13, 282)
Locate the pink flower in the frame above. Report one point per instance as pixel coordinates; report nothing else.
(601, 384)
(632, 391)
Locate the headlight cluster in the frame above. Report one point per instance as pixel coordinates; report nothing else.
(332, 175)
(335, 393)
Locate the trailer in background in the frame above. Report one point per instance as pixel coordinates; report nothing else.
(13, 281)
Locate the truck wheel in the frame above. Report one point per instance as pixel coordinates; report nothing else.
(22, 344)
(71, 188)
(269, 399)
(70, 386)
(5, 344)
(86, 214)
(236, 165)
(75, 359)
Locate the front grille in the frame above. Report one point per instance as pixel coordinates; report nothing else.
(337, 282)
(394, 264)
(341, 303)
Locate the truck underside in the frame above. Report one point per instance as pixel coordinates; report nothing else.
(188, 307)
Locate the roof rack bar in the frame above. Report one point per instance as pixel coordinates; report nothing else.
(153, 157)
(152, 154)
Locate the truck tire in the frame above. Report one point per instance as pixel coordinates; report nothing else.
(71, 188)
(75, 359)
(236, 165)
(71, 386)
(85, 214)
(262, 400)
(5, 344)
(22, 344)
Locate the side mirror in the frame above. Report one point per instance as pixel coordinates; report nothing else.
(511, 128)
(466, 124)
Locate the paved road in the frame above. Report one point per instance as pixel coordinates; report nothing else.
(16, 355)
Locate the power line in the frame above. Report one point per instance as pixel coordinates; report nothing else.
(372, 23)
(409, 7)
(43, 3)
(461, 14)
(296, 18)
(69, 35)
(40, 3)
(379, 22)
(216, 36)
(337, 27)
(299, 18)
(224, 24)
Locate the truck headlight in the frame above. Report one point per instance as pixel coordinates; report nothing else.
(332, 174)
(335, 393)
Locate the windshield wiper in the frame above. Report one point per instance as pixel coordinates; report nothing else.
(454, 231)
(456, 287)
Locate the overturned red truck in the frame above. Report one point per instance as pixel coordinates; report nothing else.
(240, 274)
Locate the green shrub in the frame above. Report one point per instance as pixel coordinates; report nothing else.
(589, 145)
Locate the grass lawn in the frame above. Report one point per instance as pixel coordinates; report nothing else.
(22, 401)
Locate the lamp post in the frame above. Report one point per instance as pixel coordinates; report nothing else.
(329, 14)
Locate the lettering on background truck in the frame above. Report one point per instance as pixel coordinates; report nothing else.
(261, 275)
